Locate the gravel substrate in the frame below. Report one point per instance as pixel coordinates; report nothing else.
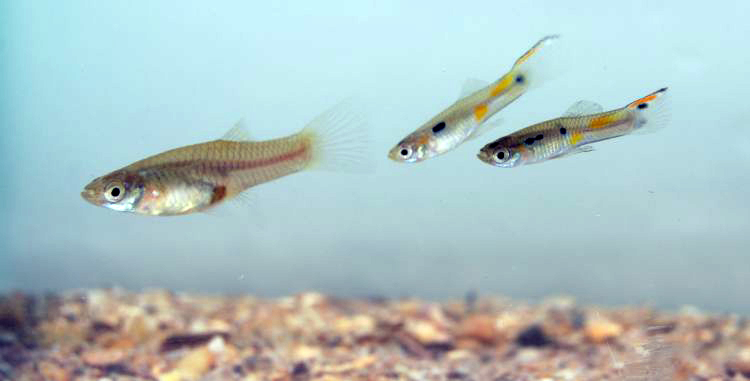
(160, 335)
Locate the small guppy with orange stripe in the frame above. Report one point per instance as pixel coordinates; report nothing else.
(465, 119)
(584, 123)
(196, 177)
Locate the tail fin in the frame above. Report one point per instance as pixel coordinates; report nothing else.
(546, 40)
(652, 111)
(340, 139)
(534, 68)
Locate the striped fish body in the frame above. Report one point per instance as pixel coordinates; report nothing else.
(572, 134)
(196, 177)
(562, 136)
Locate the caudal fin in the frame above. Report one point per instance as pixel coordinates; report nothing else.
(540, 63)
(652, 111)
(340, 139)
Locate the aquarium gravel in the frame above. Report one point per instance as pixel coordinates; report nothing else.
(112, 334)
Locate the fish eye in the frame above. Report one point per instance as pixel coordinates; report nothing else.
(405, 152)
(114, 192)
(502, 155)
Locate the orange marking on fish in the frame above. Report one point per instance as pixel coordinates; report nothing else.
(502, 86)
(423, 140)
(576, 137)
(645, 99)
(220, 191)
(224, 167)
(527, 55)
(601, 121)
(291, 155)
(479, 112)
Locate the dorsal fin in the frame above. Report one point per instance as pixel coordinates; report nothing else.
(471, 86)
(237, 133)
(583, 108)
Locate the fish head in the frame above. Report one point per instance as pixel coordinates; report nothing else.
(120, 190)
(505, 152)
(414, 148)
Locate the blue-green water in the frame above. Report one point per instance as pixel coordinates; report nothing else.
(663, 219)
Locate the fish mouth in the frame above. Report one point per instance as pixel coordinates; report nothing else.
(484, 156)
(394, 155)
(90, 195)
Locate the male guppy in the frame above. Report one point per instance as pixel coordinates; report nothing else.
(466, 118)
(195, 177)
(583, 124)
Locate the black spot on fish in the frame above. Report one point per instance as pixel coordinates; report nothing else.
(529, 141)
(520, 78)
(563, 131)
(438, 127)
(220, 191)
(642, 106)
(539, 137)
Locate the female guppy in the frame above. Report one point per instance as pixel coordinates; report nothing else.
(466, 118)
(583, 124)
(196, 177)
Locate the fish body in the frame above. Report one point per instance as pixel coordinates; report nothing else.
(574, 132)
(199, 176)
(466, 118)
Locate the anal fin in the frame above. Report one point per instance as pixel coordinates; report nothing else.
(482, 128)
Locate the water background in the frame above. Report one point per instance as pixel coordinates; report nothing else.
(659, 219)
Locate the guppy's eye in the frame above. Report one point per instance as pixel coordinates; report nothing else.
(502, 155)
(114, 192)
(405, 152)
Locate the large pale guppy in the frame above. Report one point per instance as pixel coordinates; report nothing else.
(196, 177)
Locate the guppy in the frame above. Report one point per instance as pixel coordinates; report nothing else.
(196, 177)
(466, 118)
(584, 123)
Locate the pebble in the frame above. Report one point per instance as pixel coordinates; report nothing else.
(217, 344)
(358, 325)
(599, 330)
(53, 372)
(479, 327)
(426, 332)
(533, 336)
(740, 362)
(102, 357)
(306, 352)
(191, 367)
